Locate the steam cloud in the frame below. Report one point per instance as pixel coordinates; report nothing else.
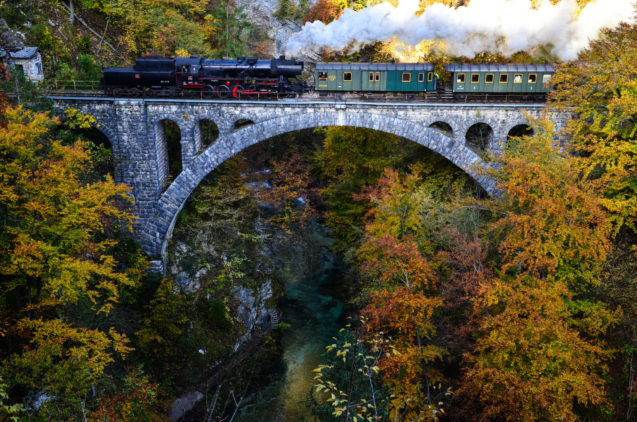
(504, 26)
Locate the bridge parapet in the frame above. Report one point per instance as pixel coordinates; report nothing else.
(134, 128)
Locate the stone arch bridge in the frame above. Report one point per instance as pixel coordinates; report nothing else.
(135, 129)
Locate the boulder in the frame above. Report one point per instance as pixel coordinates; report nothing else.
(9, 41)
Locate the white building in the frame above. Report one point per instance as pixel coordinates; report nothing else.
(26, 60)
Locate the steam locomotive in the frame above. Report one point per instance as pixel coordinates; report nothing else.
(243, 77)
(253, 78)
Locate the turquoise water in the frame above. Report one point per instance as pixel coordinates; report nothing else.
(314, 316)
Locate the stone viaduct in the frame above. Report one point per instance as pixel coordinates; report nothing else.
(135, 129)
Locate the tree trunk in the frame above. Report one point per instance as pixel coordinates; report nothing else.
(72, 10)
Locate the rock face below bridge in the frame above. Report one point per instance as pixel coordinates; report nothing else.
(136, 129)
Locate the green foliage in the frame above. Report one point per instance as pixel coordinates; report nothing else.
(350, 160)
(9, 412)
(165, 321)
(89, 70)
(26, 92)
(288, 10)
(348, 381)
(214, 313)
(40, 35)
(228, 26)
(84, 44)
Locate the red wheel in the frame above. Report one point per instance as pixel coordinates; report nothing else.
(236, 91)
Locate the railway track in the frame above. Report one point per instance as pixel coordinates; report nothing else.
(444, 97)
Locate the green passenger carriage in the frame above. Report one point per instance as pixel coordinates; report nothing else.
(375, 77)
(511, 78)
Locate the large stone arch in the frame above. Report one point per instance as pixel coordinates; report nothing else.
(174, 198)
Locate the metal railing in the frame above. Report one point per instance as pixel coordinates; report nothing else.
(71, 85)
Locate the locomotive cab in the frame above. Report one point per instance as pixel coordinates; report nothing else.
(187, 72)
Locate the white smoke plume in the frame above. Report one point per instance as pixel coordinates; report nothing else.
(504, 26)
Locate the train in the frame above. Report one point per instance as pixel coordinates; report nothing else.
(255, 78)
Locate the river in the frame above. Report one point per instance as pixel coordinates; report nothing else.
(314, 316)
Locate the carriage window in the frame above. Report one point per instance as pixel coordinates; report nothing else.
(532, 78)
(460, 78)
(406, 77)
(371, 76)
(377, 76)
(430, 76)
(322, 76)
(546, 79)
(488, 78)
(517, 78)
(347, 76)
(504, 78)
(421, 77)
(475, 78)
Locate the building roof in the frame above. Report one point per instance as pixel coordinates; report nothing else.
(375, 66)
(500, 67)
(25, 53)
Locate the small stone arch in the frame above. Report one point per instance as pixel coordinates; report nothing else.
(98, 135)
(519, 130)
(108, 133)
(516, 132)
(170, 150)
(206, 132)
(104, 134)
(174, 198)
(479, 137)
(241, 123)
(443, 127)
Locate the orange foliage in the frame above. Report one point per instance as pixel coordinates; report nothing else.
(402, 302)
(324, 11)
(393, 262)
(532, 364)
(539, 352)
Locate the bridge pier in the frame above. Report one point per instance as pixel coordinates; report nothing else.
(136, 132)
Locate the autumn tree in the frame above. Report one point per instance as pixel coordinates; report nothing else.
(541, 350)
(350, 160)
(57, 261)
(601, 91)
(324, 11)
(402, 295)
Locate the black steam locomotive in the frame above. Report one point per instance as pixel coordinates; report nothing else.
(243, 77)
